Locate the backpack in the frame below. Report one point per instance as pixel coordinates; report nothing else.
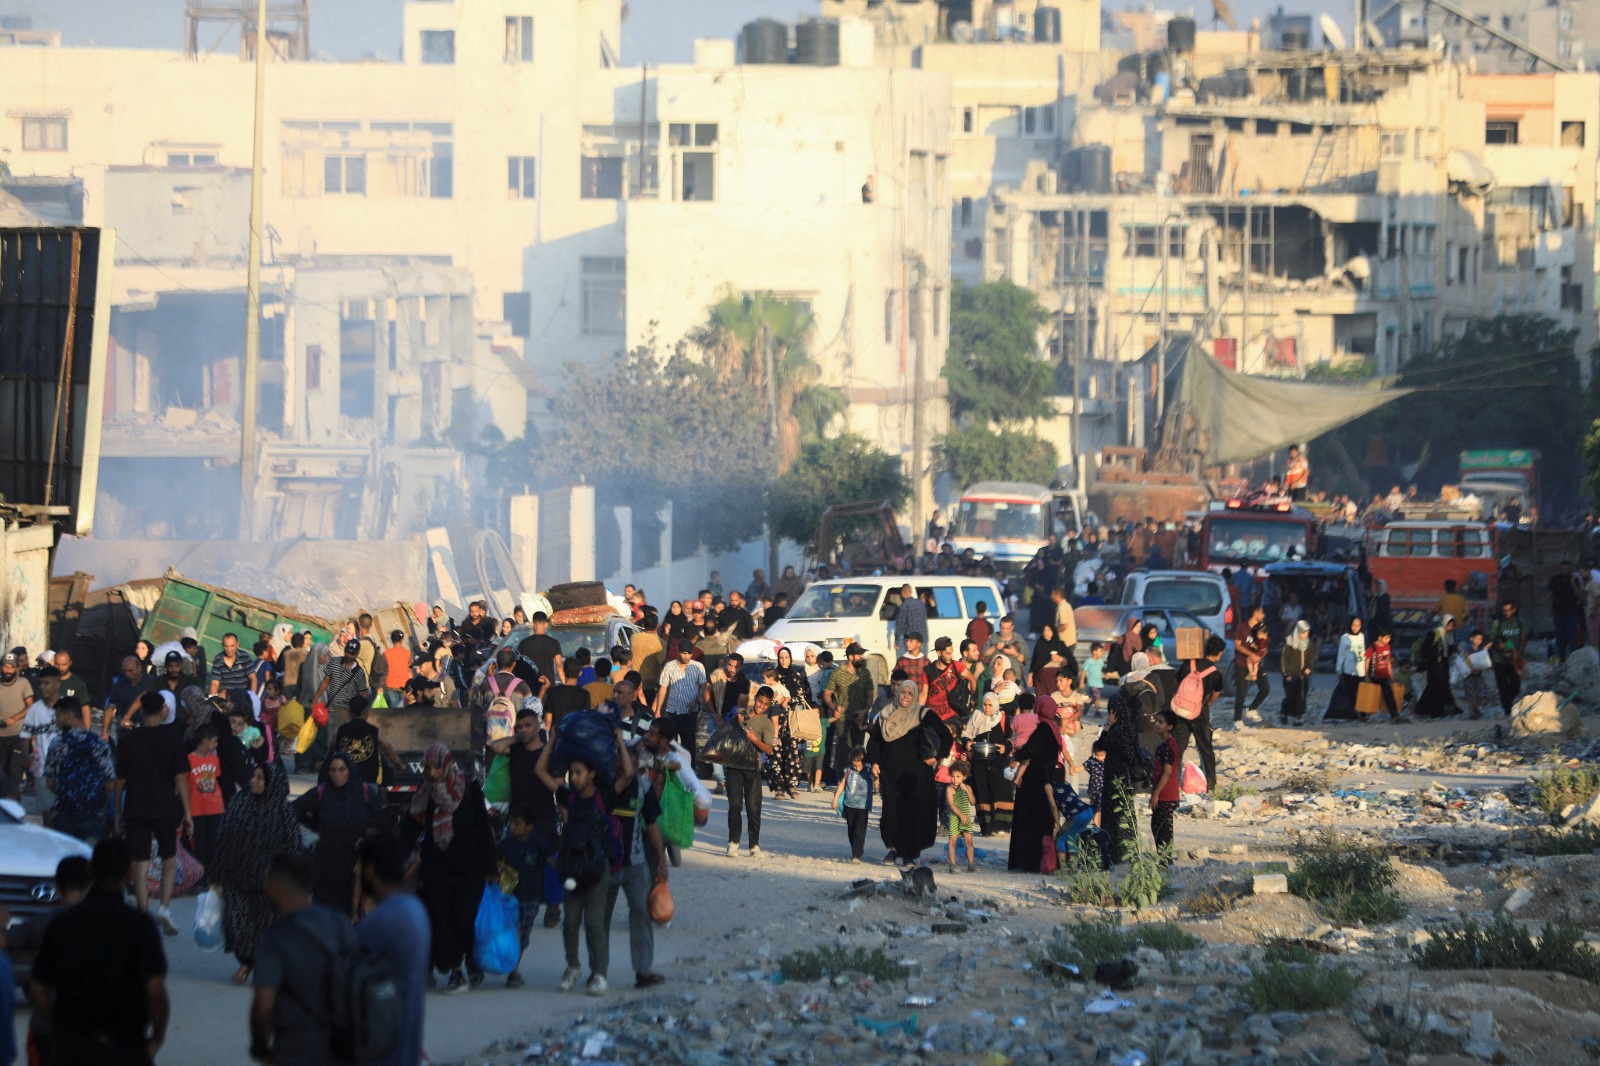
(1190, 699)
(365, 1014)
(590, 842)
(501, 715)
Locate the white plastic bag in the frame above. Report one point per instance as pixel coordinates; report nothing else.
(208, 920)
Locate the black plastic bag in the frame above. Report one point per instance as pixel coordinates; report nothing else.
(587, 736)
(730, 747)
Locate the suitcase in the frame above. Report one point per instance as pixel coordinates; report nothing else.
(576, 594)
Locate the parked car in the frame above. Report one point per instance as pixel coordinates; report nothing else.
(1199, 592)
(832, 614)
(28, 856)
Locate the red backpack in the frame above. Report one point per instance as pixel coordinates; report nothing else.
(1190, 699)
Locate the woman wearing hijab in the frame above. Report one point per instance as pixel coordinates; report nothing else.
(340, 810)
(1007, 691)
(1041, 656)
(257, 825)
(1297, 662)
(1351, 665)
(903, 746)
(144, 651)
(1145, 698)
(1119, 659)
(1037, 758)
(1436, 700)
(438, 623)
(457, 859)
(676, 627)
(1117, 816)
(1150, 637)
(984, 736)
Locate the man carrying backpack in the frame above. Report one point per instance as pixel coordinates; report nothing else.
(1193, 706)
(292, 1018)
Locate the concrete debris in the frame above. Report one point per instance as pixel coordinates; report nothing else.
(1545, 713)
(1270, 884)
(1520, 897)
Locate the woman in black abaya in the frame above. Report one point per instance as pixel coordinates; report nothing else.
(903, 746)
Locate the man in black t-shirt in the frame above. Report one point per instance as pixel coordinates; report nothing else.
(479, 627)
(100, 978)
(737, 618)
(152, 801)
(1200, 728)
(543, 650)
(359, 739)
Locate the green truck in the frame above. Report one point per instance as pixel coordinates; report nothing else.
(214, 612)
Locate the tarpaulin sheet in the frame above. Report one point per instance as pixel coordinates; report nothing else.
(1242, 417)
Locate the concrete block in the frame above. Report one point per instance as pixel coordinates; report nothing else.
(1520, 897)
(1270, 884)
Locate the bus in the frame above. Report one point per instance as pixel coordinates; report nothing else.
(1005, 521)
(1249, 536)
(1415, 558)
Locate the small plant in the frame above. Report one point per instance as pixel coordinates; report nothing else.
(1296, 954)
(1169, 938)
(1087, 944)
(1280, 985)
(1503, 944)
(1553, 791)
(1087, 884)
(1306, 781)
(1353, 882)
(1231, 793)
(834, 960)
(1144, 882)
(1209, 902)
(1579, 840)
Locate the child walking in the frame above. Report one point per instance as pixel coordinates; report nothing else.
(853, 800)
(1166, 791)
(1094, 673)
(959, 799)
(521, 850)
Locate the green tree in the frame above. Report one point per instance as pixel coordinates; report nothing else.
(993, 367)
(1591, 460)
(837, 470)
(979, 453)
(1511, 381)
(738, 332)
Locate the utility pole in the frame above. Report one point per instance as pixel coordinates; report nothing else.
(252, 301)
(919, 421)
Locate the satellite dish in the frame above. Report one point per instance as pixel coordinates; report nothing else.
(1221, 12)
(1374, 36)
(1331, 33)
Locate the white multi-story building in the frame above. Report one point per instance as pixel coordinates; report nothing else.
(594, 206)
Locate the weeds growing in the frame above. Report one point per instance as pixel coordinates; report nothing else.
(1352, 882)
(831, 961)
(1553, 791)
(1503, 944)
(1280, 985)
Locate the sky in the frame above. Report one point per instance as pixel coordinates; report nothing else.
(656, 31)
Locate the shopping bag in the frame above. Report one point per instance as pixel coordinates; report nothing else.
(307, 737)
(189, 871)
(1047, 858)
(677, 812)
(730, 747)
(804, 722)
(660, 904)
(1369, 696)
(495, 945)
(1194, 779)
(497, 786)
(208, 921)
(380, 702)
(319, 713)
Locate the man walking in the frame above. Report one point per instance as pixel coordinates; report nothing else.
(100, 980)
(847, 698)
(1066, 621)
(911, 617)
(744, 782)
(290, 1017)
(543, 650)
(123, 700)
(1247, 658)
(684, 689)
(638, 809)
(233, 674)
(79, 771)
(397, 931)
(1199, 729)
(153, 790)
(1566, 608)
(72, 684)
(16, 696)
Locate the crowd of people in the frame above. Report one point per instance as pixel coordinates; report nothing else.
(1003, 733)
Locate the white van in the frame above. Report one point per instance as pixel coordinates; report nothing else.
(833, 614)
(1199, 592)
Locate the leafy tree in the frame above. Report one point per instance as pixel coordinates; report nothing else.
(838, 470)
(1591, 460)
(1511, 381)
(644, 430)
(993, 367)
(732, 339)
(978, 453)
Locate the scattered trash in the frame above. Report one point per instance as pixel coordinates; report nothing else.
(596, 1044)
(1131, 1058)
(919, 1001)
(1106, 1003)
(908, 1026)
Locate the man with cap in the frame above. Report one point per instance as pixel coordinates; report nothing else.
(170, 682)
(429, 686)
(847, 698)
(16, 694)
(342, 680)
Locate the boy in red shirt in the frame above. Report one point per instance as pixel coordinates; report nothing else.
(1380, 668)
(396, 669)
(1166, 791)
(205, 798)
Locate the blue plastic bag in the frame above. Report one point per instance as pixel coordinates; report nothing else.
(208, 921)
(496, 948)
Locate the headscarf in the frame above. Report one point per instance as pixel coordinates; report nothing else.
(1299, 640)
(446, 794)
(1131, 639)
(896, 720)
(1138, 667)
(196, 710)
(985, 719)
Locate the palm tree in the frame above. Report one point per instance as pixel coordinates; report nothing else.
(738, 333)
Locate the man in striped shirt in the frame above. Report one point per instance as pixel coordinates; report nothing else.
(233, 675)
